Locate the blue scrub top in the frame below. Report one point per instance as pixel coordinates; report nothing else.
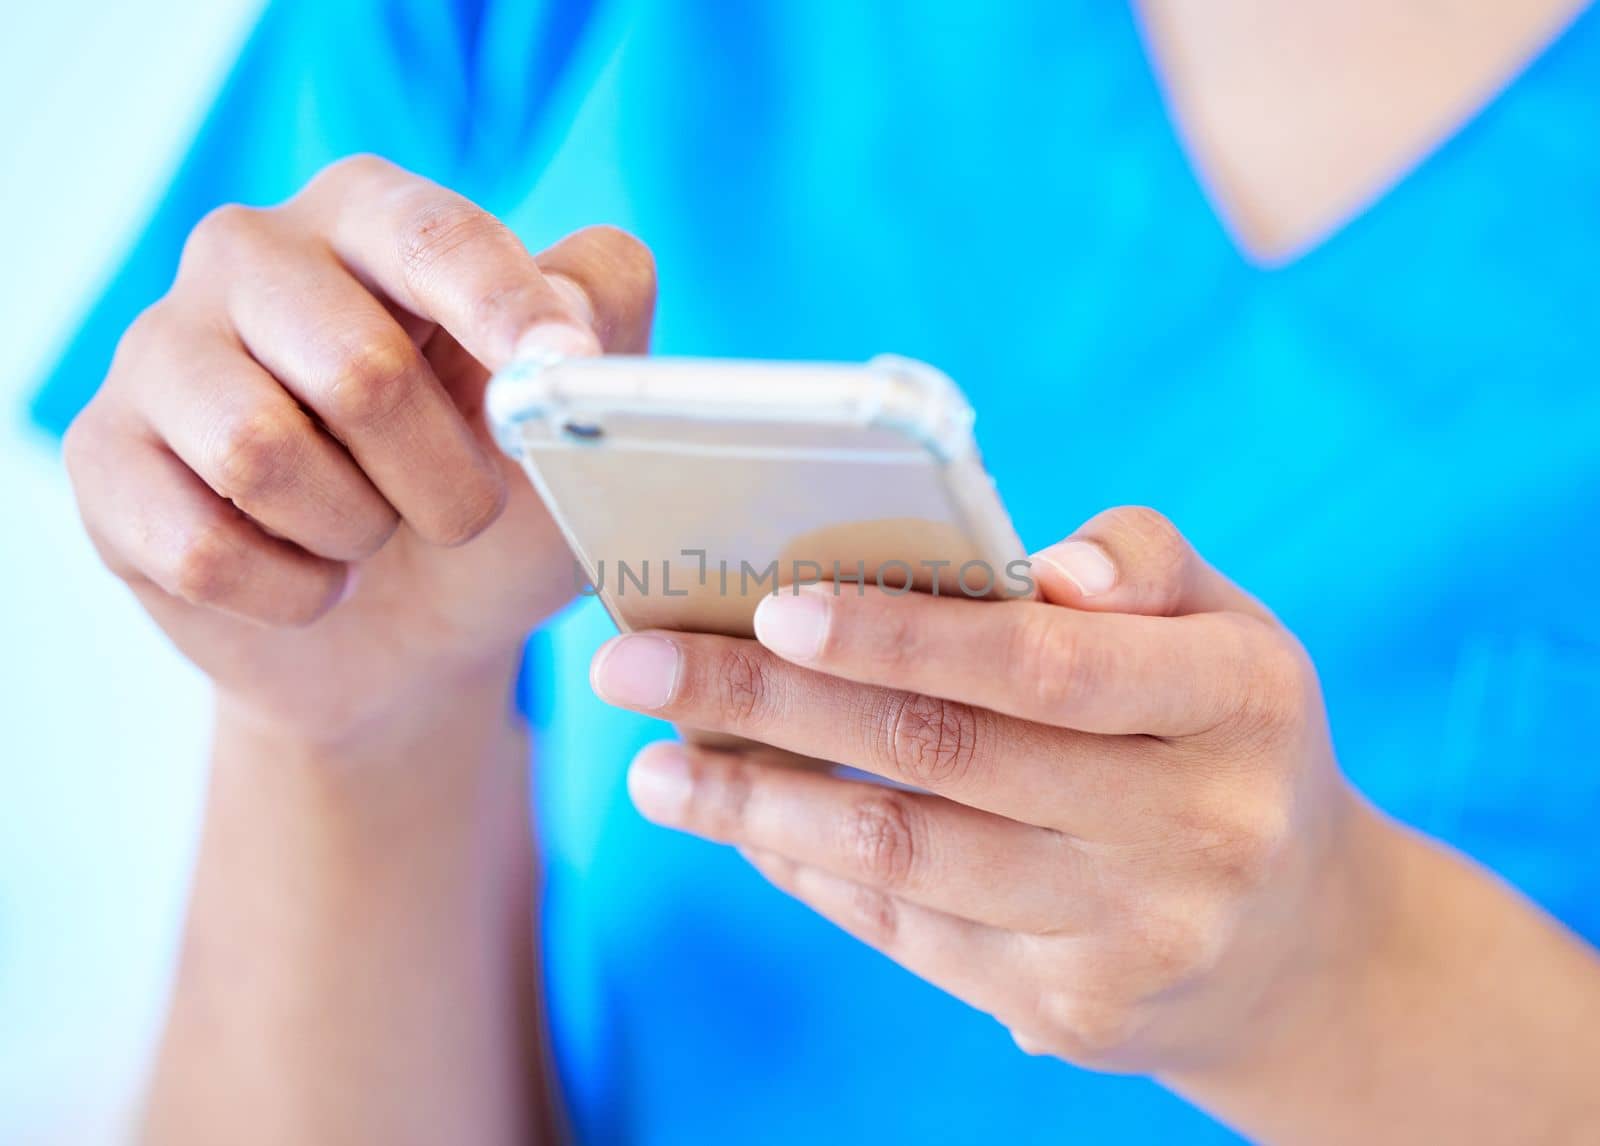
(1393, 441)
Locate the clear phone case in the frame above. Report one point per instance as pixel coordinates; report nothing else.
(690, 488)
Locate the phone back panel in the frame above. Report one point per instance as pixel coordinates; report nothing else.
(687, 496)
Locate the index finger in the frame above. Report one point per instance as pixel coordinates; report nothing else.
(438, 255)
(1105, 673)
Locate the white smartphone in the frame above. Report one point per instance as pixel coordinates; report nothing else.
(690, 488)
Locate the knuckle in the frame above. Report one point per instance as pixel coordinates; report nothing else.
(1030, 1044)
(882, 841)
(1090, 1031)
(208, 565)
(873, 915)
(1051, 662)
(719, 799)
(477, 505)
(897, 641)
(255, 454)
(932, 742)
(372, 383)
(1101, 1034)
(148, 331)
(1241, 841)
(147, 327)
(1181, 947)
(1253, 852)
(358, 173)
(360, 166)
(223, 231)
(437, 228)
(1277, 685)
(743, 686)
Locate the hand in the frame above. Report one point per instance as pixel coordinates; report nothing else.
(1128, 833)
(288, 461)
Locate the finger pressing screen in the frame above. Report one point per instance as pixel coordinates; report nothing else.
(436, 254)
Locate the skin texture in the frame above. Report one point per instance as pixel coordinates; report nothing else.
(1299, 115)
(308, 399)
(305, 403)
(1128, 837)
(1119, 828)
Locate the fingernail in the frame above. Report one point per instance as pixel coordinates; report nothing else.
(636, 672)
(793, 624)
(659, 783)
(1083, 563)
(555, 340)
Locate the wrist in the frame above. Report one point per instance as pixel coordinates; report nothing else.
(453, 772)
(426, 715)
(357, 899)
(1451, 1010)
(1356, 930)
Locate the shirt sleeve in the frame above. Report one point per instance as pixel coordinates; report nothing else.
(458, 90)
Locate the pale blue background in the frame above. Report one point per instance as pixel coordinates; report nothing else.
(98, 787)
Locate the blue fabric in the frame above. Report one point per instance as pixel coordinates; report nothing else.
(1391, 441)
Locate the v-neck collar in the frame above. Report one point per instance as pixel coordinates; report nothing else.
(1385, 191)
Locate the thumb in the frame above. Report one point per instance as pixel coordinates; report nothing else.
(1133, 560)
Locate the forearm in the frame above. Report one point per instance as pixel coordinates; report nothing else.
(1452, 1011)
(358, 964)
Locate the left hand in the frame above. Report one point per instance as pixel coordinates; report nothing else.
(1129, 839)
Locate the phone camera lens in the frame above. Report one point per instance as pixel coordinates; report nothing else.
(582, 431)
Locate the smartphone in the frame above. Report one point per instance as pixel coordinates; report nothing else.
(688, 489)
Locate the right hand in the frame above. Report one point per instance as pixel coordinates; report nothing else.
(288, 461)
